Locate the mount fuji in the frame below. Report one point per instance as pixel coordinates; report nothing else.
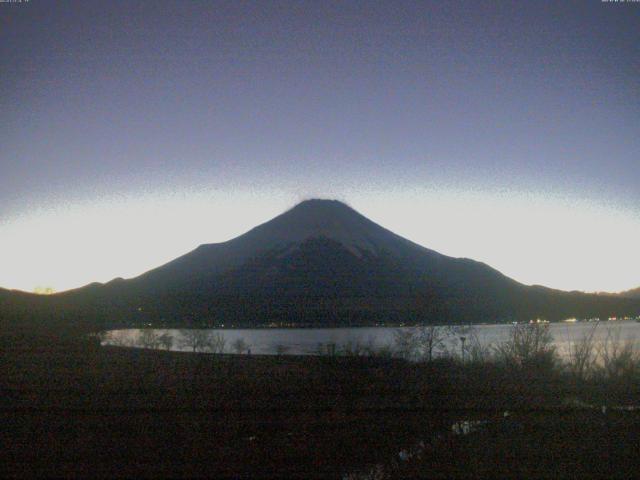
(319, 264)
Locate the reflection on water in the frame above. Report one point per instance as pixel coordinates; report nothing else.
(354, 341)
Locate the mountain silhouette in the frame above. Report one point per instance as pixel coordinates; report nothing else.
(633, 293)
(320, 263)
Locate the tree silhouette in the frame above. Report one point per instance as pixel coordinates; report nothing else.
(202, 340)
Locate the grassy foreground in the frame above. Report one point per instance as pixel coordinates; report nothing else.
(72, 409)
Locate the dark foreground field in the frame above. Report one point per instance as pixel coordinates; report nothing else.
(68, 409)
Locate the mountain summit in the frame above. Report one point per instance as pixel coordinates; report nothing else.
(328, 219)
(322, 263)
(324, 218)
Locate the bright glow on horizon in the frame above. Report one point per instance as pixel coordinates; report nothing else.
(72, 246)
(537, 240)
(556, 242)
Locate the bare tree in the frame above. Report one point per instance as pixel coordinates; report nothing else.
(217, 342)
(420, 343)
(239, 345)
(190, 339)
(118, 338)
(202, 340)
(166, 341)
(406, 343)
(583, 356)
(148, 339)
(430, 339)
(529, 345)
(618, 358)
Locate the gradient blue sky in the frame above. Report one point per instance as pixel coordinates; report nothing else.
(132, 131)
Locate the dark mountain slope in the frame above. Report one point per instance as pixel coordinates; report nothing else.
(634, 293)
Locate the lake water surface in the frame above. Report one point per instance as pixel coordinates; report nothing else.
(308, 341)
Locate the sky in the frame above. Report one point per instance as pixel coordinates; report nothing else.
(133, 131)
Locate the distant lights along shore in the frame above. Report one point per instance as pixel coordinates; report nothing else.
(539, 320)
(593, 319)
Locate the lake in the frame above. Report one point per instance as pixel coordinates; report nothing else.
(308, 341)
